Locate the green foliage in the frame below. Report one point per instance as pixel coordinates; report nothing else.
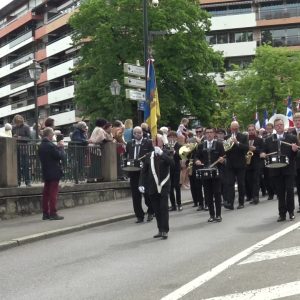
(273, 75)
(182, 56)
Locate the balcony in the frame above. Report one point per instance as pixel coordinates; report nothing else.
(236, 49)
(279, 13)
(284, 41)
(59, 46)
(61, 69)
(16, 108)
(64, 118)
(23, 103)
(61, 94)
(233, 22)
(22, 60)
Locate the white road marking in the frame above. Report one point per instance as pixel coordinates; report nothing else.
(268, 293)
(273, 254)
(200, 280)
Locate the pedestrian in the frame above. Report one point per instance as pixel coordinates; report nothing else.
(155, 180)
(51, 157)
(128, 132)
(7, 130)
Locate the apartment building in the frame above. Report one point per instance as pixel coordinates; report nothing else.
(37, 29)
(239, 27)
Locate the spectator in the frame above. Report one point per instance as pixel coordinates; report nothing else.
(51, 156)
(182, 128)
(146, 131)
(108, 132)
(98, 134)
(80, 134)
(128, 132)
(21, 132)
(7, 130)
(33, 132)
(164, 131)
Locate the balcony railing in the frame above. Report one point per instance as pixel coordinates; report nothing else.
(21, 39)
(22, 103)
(279, 13)
(22, 60)
(293, 40)
(20, 82)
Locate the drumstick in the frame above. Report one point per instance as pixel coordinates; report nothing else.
(271, 153)
(288, 143)
(218, 160)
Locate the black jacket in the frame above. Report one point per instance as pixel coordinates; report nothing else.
(209, 156)
(146, 147)
(271, 145)
(256, 160)
(162, 169)
(235, 157)
(51, 157)
(294, 132)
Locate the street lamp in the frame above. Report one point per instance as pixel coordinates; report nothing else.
(35, 71)
(115, 89)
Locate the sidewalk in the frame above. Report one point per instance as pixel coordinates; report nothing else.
(27, 229)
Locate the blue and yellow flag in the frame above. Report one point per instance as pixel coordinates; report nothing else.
(152, 111)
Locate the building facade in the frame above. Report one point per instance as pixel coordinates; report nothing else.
(37, 29)
(239, 27)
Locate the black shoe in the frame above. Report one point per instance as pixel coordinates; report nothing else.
(205, 208)
(218, 219)
(211, 219)
(164, 235)
(270, 198)
(249, 200)
(139, 220)
(229, 207)
(298, 211)
(180, 208)
(55, 217)
(292, 216)
(45, 217)
(240, 206)
(254, 201)
(281, 219)
(149, 217)
(195, 205)
(158, 235)
(173, 208)
(263, 194)
(200, 208)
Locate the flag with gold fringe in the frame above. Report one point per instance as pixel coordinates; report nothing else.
(152, 110)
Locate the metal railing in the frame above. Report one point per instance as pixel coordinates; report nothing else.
(279, 13)
(80, 163)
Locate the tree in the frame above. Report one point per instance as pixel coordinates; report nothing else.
(183, 59)
(273, 75)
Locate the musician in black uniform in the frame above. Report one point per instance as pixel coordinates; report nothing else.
(155, 179)
(135, 149)
(283, 177)
(296, 132)
(175, 172)
(235, 166)
(253, 165)
(208, 153)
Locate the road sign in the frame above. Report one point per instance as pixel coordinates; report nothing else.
(134, 70)
(135, 95)
(141, 105)
(134, 82)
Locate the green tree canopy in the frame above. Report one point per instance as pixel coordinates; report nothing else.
(183, 59)
(270, 79)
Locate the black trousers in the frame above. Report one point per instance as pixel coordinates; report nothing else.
(298, 185)
(284, 187)
(137, 196)
(239, 175)
(212, 194)
(175, 185)
(252, 183)
(196, 190)
(160, 206)
(269, 183)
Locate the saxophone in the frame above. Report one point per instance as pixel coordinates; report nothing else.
(249, 153)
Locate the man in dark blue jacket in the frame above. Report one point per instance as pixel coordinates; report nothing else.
(51, 156)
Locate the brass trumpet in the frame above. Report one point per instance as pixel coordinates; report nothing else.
(249, 157)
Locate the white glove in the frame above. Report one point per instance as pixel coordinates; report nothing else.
(158, 151)
(142, 189)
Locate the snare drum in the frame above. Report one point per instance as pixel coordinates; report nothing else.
(276, 161)
(210, 173)
(131, 165)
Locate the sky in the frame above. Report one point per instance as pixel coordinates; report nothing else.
(4, 2)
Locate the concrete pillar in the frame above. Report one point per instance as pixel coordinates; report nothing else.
(109, 161)
(8, 162)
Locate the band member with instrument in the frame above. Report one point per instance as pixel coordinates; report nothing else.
(155, 179)
(236, 149)
(196, 184)
(174, 147)
(135, 150)
(253, 164)
(210, 153)
(296, 132)
(282, 169)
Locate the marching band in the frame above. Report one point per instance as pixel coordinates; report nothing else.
(215, 162)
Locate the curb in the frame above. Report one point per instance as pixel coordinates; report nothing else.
(57, 232)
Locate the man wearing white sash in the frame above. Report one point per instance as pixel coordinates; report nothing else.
(155, 179)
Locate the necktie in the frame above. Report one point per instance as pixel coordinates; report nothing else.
(137, 151)
(209, 145)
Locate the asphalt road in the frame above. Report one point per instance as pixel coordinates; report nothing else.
(200, 260)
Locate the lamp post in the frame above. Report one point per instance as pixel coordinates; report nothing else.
(35, 71)
(115, 89)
